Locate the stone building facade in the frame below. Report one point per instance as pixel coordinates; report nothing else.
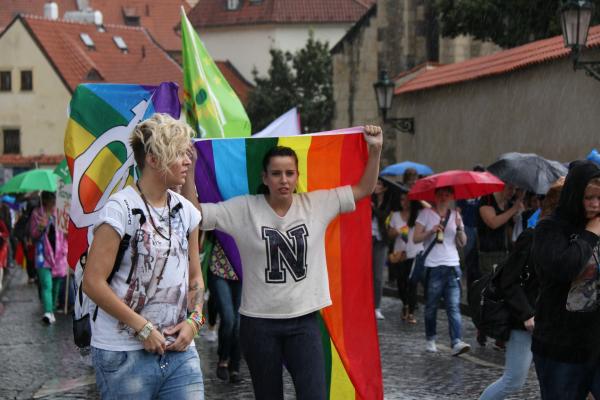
(395, 35)
(527, 99)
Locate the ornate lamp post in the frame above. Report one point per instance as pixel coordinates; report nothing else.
(575, 18)
(384, 93)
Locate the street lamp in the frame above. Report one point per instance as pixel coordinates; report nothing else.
(384, 93)
(575, 18)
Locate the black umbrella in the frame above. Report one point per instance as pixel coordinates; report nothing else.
(393, 185)
(528, 171)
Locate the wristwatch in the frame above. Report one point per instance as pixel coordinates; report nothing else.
(145, 332)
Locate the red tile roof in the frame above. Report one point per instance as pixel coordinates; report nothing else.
(158, 16)
(144, 62)
(209, 13)
(9, 9)
(17, 160)
(503, 62)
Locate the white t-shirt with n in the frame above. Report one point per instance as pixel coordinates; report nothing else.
(147, 282)
(444, 253)
(409, 246)
(283, 258)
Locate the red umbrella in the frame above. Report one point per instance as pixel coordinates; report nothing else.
(466, 185)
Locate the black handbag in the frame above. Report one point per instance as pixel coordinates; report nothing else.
(490, 313)
(82, 331)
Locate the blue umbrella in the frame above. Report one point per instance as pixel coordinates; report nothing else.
(398, 169)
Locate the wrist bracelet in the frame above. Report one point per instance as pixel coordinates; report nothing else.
(198, 318)
(195, 328)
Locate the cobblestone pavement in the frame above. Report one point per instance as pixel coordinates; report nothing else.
(41, 362)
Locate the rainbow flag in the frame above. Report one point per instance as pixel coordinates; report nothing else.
(97, 149)
(232, 167)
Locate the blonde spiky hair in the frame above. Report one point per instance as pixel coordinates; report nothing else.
(163, 136)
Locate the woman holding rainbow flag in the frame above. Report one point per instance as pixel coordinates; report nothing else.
(285, 232)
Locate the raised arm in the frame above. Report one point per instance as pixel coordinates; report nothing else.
(366, 185)
(188, 190)
(493, 221)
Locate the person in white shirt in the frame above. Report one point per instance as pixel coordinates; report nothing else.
(151, 310)
(281, 239)
(442, 266)
(402, 229)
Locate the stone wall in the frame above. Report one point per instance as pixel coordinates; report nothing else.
(547, 109)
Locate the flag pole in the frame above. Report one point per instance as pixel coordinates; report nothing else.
(67, 290)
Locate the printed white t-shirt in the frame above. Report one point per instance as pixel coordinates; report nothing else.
(400, 244)
(444, 253)
(284, 263)
(156, 289)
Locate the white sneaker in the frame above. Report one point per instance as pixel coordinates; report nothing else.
(48, 318)
(460, 348)
(430, 346)
(378, 314)
(211, 335)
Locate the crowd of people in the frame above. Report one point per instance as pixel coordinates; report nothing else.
(542, 250)
(30, 237)
(151, 293)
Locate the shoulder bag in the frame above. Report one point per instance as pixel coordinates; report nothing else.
(417, 271)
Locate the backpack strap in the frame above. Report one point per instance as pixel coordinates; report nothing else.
(123, 245)
(433, 242)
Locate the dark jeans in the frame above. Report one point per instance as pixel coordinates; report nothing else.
(406, 290)
(443, 281)
(566, 381)
(212, 309)
(268, 344)
(380, 252)
(228, 295)
(471, 256)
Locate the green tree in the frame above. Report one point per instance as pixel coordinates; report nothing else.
(508, 23)
(303, 80)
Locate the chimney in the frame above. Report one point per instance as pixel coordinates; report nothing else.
(51, 11)
(98, 18)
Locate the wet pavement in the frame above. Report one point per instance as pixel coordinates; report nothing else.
(41, 361)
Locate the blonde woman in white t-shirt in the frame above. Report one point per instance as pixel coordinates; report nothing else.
(148, 315)
(281, 239)
(442, 266)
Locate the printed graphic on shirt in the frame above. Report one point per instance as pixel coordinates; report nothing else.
(157, 280)
(584, 292)
(285, 253)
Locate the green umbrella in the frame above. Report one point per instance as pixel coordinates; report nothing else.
(31, 181)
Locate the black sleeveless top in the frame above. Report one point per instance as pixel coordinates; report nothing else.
(492, 239)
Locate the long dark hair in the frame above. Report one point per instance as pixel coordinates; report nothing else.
(277, 151)
(414, 208)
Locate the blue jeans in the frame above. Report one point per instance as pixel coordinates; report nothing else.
(268, 344)
(567, 381)
(443, 281)
(228, 294)
(142, 375)
(516, 367)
